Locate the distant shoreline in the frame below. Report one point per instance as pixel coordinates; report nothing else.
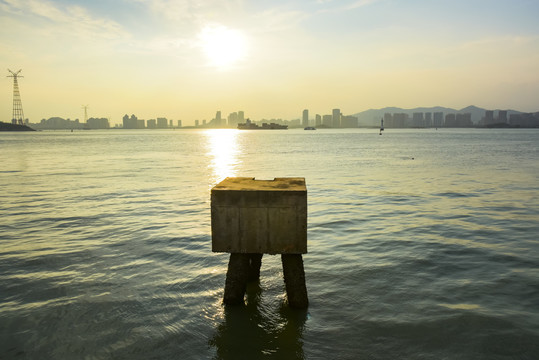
(14, 127)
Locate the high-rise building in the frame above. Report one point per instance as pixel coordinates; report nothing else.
(428, 119)
(162, 123)
(305, 118)
(388, 120)
(130, 122)
(400, 120)
(489, 117)
(463, 120)
(218, 119)
(318, 120)
(349, 121)
(438, 119)
(502, 116)
(98, 123)
(241, 117)
(179, 123)
(336, 120)
(450, 120)
(524, 120)
(418, 120)
(327, 120)
(233, 120)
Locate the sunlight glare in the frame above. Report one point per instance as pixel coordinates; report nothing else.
(223, 47)
(223, 151)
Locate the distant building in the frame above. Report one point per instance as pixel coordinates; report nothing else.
(162, 123)
(241, 117)
(95, 123)
(400, 120)
(140, 124)
(233, 120)
(502, 117)
(317, 120)
(293, 123)
(524, 120)
(418, 120)
(179, 123)
(388, 120)
(336, 118)
(438, 119)
(327, 120)
(464, 120)
(129, 122)
(217, 120)
(151, 124)
(197, 123)
(428, 119)
(56, 123)
(349, 121)
(305, 118)
(489, 118)
(450, 120)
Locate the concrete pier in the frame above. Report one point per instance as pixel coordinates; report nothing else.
(250, 218)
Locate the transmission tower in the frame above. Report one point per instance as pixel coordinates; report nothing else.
(18, 115)
(85, 107)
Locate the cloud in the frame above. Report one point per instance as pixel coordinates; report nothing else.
(359, 4)
(65, 20)
(343, 7)
(278, 19)
(193, 12)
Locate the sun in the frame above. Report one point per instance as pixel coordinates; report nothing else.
(222, 46)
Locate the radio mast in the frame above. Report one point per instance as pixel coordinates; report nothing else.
(18, 115)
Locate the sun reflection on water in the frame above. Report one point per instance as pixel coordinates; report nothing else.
(223, 151)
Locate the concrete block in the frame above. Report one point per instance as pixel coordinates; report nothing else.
(259, 216)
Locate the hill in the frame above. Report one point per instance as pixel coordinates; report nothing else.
(14, 127)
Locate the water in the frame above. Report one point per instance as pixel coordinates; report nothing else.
(423, 244)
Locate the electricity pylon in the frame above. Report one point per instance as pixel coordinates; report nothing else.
(18, 115)
(85, 107)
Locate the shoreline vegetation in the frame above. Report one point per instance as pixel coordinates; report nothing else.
(14, 127)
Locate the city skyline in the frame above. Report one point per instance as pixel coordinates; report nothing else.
(183, 59)
(393, 117)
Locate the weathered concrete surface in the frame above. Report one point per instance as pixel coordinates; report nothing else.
(259, 216)
(294, 279)
(242, 268)
(236, 279)
(255, 263)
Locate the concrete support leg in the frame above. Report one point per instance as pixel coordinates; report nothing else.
(294, 278)
(236, 278)
(255, 262)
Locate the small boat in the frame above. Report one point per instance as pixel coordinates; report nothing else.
(310, 128)
(381, 126)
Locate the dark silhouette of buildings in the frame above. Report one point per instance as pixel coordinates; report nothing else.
(97, 123)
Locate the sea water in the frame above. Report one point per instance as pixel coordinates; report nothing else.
(422, 244)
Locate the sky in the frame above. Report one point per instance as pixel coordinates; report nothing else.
(187, 59)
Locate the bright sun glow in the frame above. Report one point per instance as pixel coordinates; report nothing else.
(223, 151)
(223, 47)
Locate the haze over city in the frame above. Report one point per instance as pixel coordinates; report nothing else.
(187, 59)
